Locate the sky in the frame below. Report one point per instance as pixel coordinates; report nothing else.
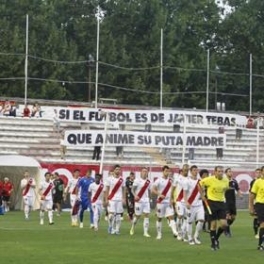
(227, 7)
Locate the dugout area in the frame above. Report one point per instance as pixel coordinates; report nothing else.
(13, 167)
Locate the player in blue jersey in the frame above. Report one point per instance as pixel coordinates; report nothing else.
(83, 187)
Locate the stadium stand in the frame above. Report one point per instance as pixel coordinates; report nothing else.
(36, 137)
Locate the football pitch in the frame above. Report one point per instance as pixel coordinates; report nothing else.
(28, 242)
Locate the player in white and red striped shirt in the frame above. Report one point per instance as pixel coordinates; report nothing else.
(162, 188)
(194, 204)
(96, 192)
(46, 201)
(141, 188)
(114, 199)
(72, 190)
(28, 185)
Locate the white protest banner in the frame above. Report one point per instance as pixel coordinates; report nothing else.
(164, 117)
(143, 139)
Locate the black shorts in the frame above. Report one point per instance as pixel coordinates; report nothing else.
(57, 198)
(218, 210)
(6, 198)
(130, 203)
(231, 208)
(259, 207)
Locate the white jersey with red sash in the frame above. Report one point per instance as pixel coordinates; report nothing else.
(193, 194)
(97, 193)
(164, 187)
(46, 190)
(28, 189)
(179, 183)
(72, 185)
(72, 189)
(142, 189)
(115, 188)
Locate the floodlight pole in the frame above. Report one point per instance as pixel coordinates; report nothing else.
(97, 55)
(26, 63)
(207, 80)
(161, 69)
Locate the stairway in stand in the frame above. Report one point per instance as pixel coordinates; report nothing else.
(157, 156)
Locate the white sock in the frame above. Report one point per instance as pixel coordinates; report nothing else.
(173, 226)
(178, 225)
(159, 227)
(26, 210)
(41, 215)
(198, 228)
(50, 215)
(189, 230)
(146, 225)
(118, 222)
(110, 220)
(96, 219)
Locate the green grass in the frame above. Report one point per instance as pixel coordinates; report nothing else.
(27, 242)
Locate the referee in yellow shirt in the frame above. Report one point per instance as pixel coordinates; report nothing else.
(257, 196)
(216, 186)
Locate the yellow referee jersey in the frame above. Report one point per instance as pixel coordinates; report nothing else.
(258, 190)
(215, 188)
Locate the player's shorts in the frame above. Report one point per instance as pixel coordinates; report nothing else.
(46, 204)
(28, 200)
(72, 199)
(181, 209)
(259, 207)
(195, 213)
(85, 204)
(218, 210)
(57, 198)
(97, 209)
(142, 208)
(231, 208)
(6, 198)
(115, 207)
(164, 210)
(130, 203)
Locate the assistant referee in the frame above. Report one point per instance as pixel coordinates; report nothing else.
(216, 186)
(257, 196)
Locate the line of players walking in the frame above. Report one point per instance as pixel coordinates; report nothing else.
(188, 200)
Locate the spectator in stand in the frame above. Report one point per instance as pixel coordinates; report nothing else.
(6, 108)
(6, 194)
(119, 151)
(219, 151)
(63, 147)
(56, 121)
(36, 110)
(26, 111)
(96, 152)
(13, 110)
(250, 122)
